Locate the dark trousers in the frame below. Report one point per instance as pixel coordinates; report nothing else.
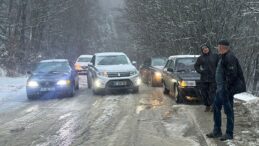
(223, 98)
(208, 90)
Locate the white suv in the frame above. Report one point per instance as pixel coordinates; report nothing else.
(112, 71)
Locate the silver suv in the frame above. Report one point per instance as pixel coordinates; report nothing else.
(112, 71)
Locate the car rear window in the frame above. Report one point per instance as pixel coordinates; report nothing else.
(84, 59)
(158, 61)
(185, 64)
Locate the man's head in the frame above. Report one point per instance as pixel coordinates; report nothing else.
(223, 46)
(205, 49)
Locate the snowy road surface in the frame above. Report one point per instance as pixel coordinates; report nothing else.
(121, 119)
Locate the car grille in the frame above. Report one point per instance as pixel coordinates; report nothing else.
(114, 84)
(47, 83)
(118, 74)
(84, 67)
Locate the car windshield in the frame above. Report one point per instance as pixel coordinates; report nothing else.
(112, 60)
(185, 64)
(84, 59)
(158, 61)
(51, 67)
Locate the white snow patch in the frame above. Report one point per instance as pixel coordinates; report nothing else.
(32, 109)
(246, 97)
(65, 116)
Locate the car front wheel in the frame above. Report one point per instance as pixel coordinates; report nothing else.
(166, 91)
(178, 96)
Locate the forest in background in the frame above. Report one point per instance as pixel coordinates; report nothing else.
(32, 30)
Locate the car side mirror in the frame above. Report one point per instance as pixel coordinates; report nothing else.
(90, 64)
(134, 62)
(170, 70)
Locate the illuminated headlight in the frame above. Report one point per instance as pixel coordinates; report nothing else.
(97, 83)
(104, 74)
(63, 82)
(33, 84)
(138, 81)
(158, 74)
(133, 73)
(187, 83)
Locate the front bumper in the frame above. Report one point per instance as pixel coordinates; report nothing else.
(191, 93)
(48, 91)
(118, 83)
(82, 71)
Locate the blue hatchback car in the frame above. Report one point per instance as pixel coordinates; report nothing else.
(52, 78)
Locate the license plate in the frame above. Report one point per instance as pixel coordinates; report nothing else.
(120, 83)
(47, 89)
(192, 83)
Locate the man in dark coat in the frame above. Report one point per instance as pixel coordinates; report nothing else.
(230, 80)
(206, 66)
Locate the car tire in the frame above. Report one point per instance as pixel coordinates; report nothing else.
(89, 83)
(72, 90)
(166, 91)
(31, 97)
(77, 86)
(136, 90)
(98, 92)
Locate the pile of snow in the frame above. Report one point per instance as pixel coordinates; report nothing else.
(246, 97)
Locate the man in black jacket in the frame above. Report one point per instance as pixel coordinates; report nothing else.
(230, 80)
(206, 66)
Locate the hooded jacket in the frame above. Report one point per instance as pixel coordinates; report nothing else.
(206, 65)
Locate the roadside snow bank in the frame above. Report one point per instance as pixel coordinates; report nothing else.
(10, 86)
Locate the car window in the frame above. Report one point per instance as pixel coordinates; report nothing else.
(185, 64)
(172, 64)
(112, 60)
(47, 67)
(168, 63)
(84, 59)
(158, 61)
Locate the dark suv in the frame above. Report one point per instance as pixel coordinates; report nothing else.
(151, 71)
(180, 78)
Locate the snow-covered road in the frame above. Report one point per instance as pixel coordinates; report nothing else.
(120, 119)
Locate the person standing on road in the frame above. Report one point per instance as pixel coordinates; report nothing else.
(206, 66)
(229, 80)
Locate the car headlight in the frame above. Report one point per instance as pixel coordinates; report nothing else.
(33, 84)
(138, 81)
(184, 84)
(97, 83)
(133, 73)
(63, 82)
(104, 74)
(158, 74)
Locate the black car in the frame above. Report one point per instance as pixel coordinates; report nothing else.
(180, 78)
(52, 78)
(151, 71)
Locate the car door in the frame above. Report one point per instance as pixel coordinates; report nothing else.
(166, 73)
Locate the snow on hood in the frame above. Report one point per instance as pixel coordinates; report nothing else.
(116, 68)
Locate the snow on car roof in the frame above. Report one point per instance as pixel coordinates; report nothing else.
(55, 60)
(110, 53)
(183, 56)
(85, 56)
